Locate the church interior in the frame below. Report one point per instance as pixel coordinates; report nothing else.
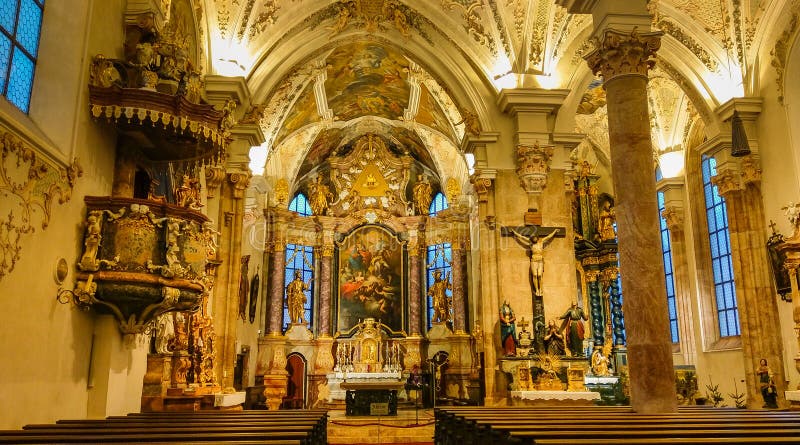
(360, 205)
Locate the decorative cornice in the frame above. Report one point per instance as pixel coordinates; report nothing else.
(780, 53)
(620, 53)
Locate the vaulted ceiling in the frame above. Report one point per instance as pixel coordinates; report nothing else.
(415, 69)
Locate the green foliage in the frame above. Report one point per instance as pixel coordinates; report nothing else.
(713, 394)
(738, 397)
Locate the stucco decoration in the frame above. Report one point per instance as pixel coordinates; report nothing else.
(29, 184)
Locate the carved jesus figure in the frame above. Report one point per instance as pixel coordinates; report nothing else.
(536, 246)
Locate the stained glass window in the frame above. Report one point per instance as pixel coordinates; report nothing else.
(666, 249)
(720, 244)
(299, 258)
(437, 258)
(20, 25)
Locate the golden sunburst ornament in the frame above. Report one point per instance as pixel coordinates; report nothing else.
(549, 363)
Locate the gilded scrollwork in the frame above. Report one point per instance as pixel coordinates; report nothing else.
(780, 53)
(29, 184)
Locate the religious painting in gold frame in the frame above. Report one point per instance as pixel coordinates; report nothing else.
(370, 279)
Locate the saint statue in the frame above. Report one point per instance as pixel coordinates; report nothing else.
(554, 340)
(318, 196)
(296, 298)
(606, 223)
(769, 391)
(573, 329)
(508, 330)
(438, 293)
(422, 195)
(536, 245)
(600, 358)
(91, 242)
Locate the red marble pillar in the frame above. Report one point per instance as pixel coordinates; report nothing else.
(459, 313)
(278, 262)
(325, 291)
(414, 261)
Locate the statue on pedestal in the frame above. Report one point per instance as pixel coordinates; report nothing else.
(296, 298)
(768, 389)
(573, 329)
(508, 330)
(438, 294)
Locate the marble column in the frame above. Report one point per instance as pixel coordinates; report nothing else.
(623, 59)
(325, 271)
(277, 246)
(740, 184)
(596, 308)
(414, 273)
(278, 262)
(674, 215)
(459, 297)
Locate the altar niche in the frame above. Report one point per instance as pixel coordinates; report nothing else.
(371, 279)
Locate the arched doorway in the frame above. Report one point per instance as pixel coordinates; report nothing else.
(296, 384)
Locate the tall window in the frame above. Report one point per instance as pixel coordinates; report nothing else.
(438, 257)
(666, 249)
(299, 258)
(720, 244)
(20, 24)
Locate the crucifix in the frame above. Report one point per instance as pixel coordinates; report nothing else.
(535, 239)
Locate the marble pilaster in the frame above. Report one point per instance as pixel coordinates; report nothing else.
(326, 275)
(739, 183)
(624, 58)
(674, 215)
(226, 290)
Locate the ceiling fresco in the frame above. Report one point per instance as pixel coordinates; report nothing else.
(364, 57)
(367, 79)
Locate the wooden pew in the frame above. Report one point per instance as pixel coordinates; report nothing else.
(296, 428)
(523, 425)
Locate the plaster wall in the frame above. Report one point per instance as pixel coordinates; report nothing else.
(46, 346)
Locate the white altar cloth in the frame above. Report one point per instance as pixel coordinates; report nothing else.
(236, 398)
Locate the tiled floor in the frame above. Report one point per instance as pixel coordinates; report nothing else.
(409, 427)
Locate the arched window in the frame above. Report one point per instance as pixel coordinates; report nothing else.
(20, 25)
(438, 257)
(720, 244)
(666, 249)
(299, 258)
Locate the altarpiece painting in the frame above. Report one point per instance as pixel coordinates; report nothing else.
(371, 281)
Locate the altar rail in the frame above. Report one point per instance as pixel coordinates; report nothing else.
(298, 427)
(619, 425)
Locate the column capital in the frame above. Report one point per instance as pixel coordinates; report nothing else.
(214, 177)
(727, 181)
(483, 181)
(674, 217)
(239, 181)
(620, 53)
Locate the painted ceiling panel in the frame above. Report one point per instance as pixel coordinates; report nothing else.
(367, 79)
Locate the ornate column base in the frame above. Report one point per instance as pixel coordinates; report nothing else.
(272, 348)
(413, 354)
(155, 382)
